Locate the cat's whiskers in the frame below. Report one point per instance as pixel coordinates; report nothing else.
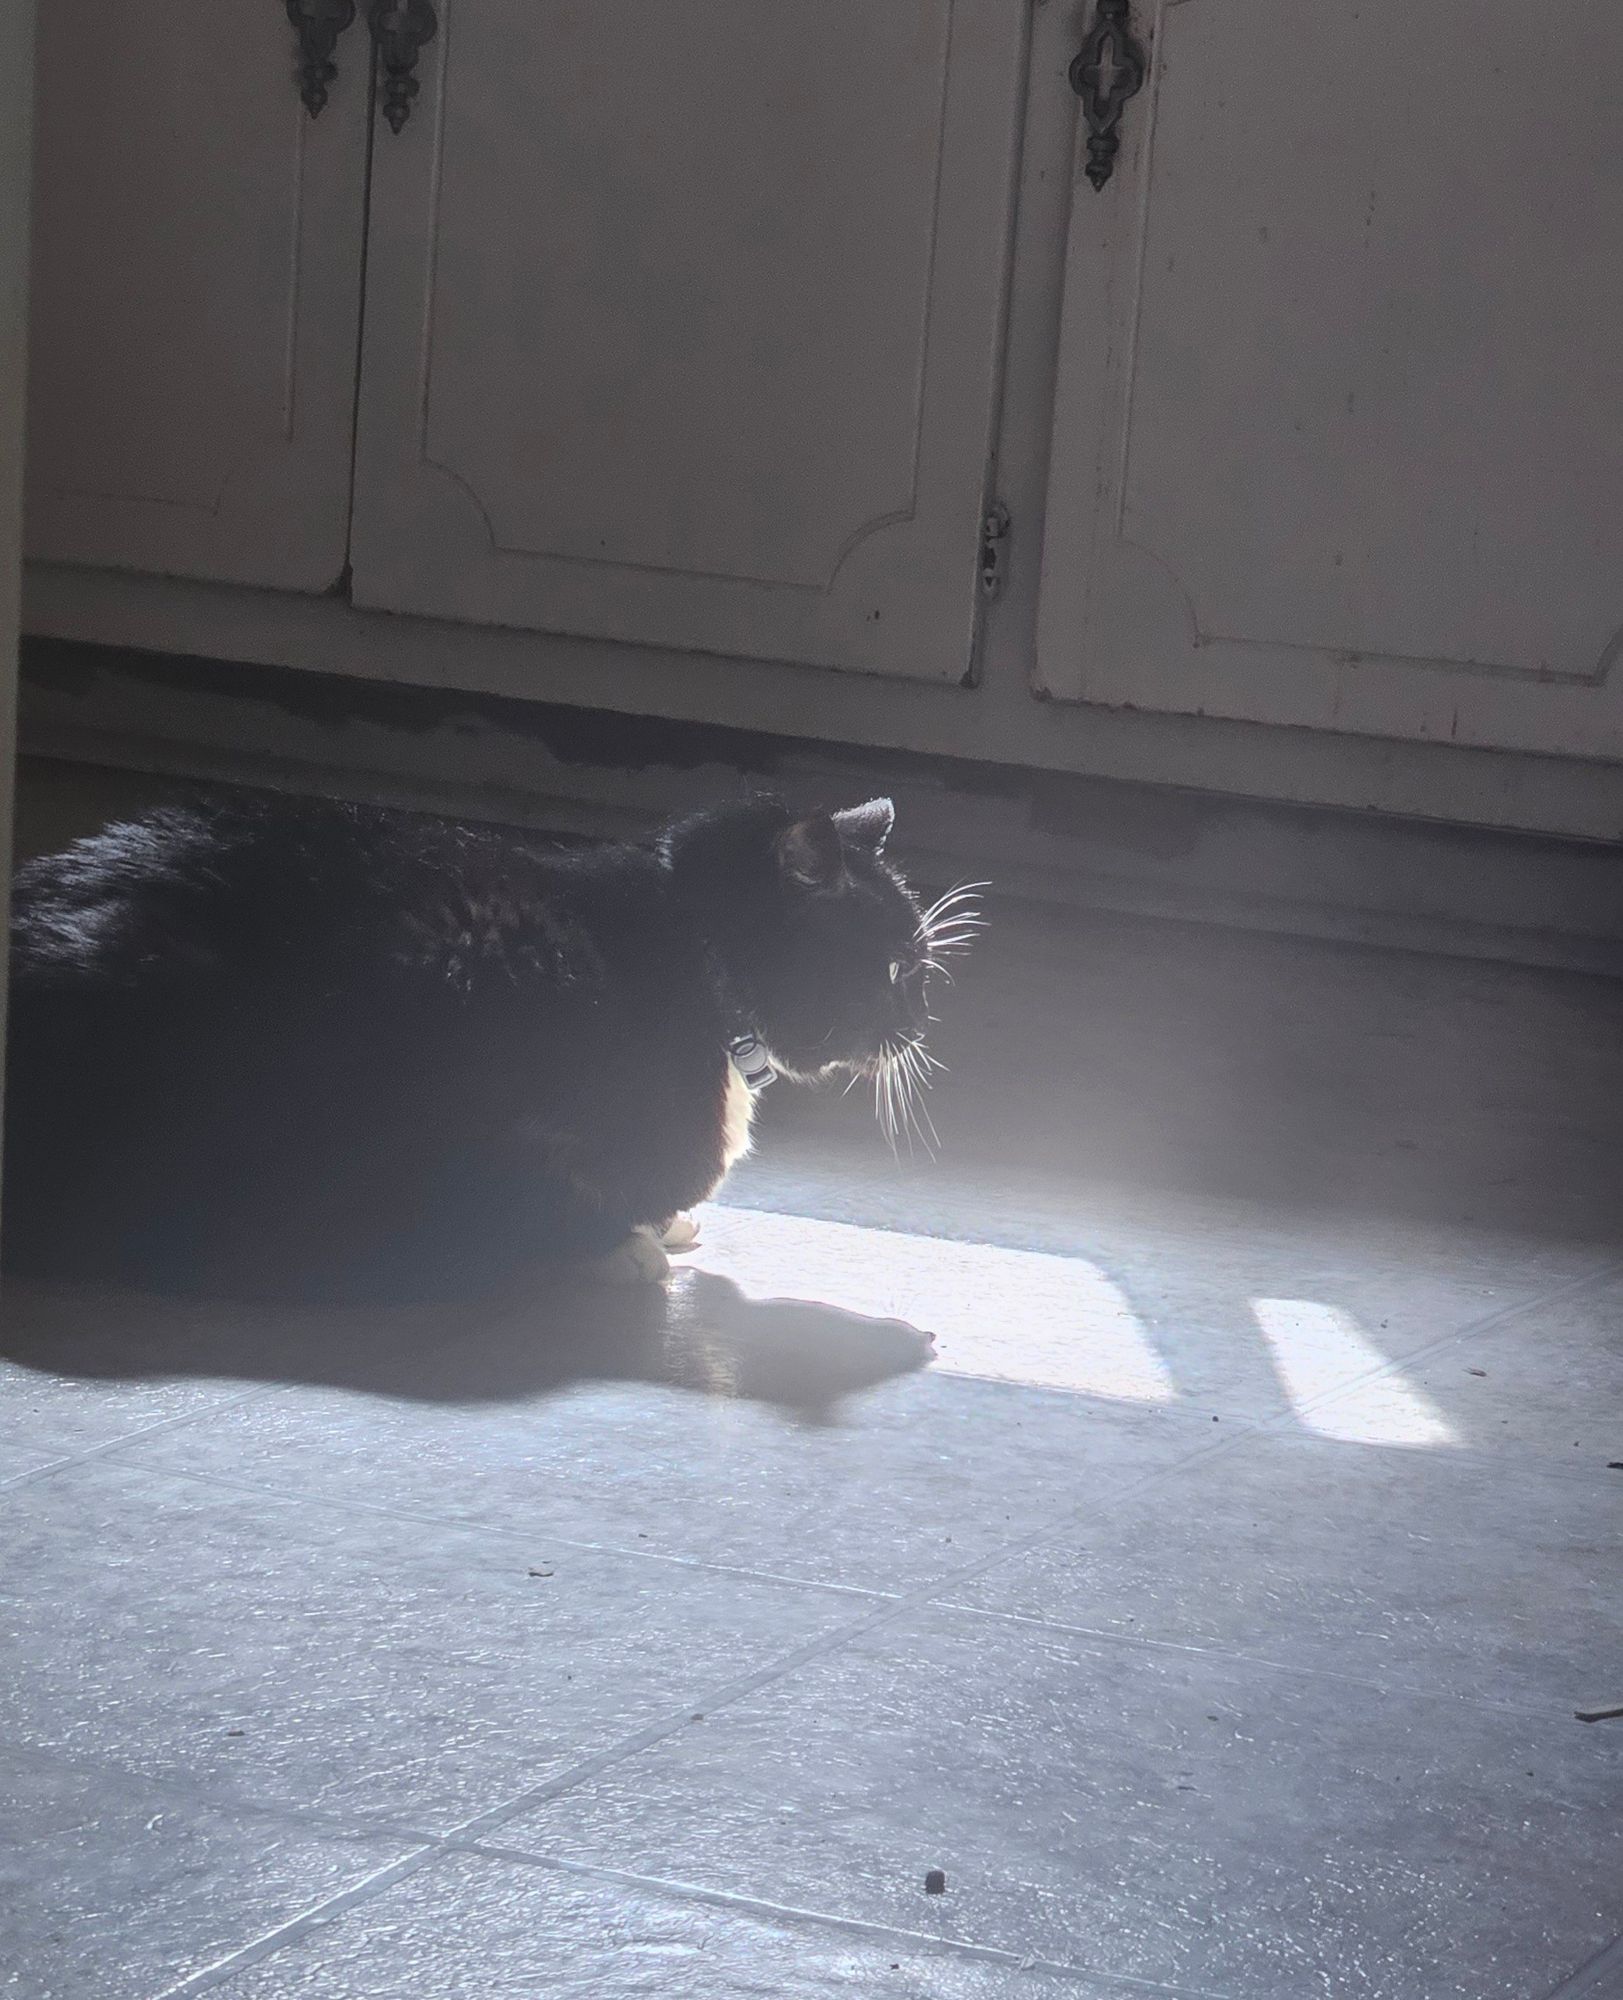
(950, 926)
(900, 1081)
(959, 894)
(915, 1116)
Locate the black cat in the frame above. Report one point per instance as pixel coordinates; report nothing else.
(386, 1052)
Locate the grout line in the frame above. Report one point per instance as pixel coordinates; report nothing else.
(294, 1928)
(1527, 1710)
(346, 1504)
(1285, 1421)
(187, 1792)
(827, 1644)
(673, 1724)
(1289, 1421)
(107, 1446)
(342, 1900)
(796, 1914)
(1472, 1330)
(1596, 1979)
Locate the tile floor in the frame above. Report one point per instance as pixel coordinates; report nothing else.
(1211, 1607)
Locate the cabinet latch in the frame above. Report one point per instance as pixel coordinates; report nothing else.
(994, 549)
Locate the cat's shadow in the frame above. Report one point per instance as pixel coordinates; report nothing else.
(699, 1333)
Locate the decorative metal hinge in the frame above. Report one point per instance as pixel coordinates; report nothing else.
(1109, 68)
(401, 29)
(994, 549)
(318, 25)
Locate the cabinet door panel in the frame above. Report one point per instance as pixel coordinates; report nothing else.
(196, 293)
(1339, 437)
(683, 324)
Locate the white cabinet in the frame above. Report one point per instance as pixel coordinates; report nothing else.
(683, 324)
(701, 336)
(196, 294)
(1339, 432)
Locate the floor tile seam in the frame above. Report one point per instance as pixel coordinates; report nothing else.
(1490, 1322)
(1253, 1432)
(1267, 1433)
(25, 1473)
(826, 1645)
(924, 1594)
(676, 1719)
(1064, 1524)
(1180, 1409)
(317, 1916)
(660, 1729)
(1248, 1426)
(183, 1791)
(344, 1504)
(1260, 1430)
(708, 1703)
(738, 1689)
(1471, 1458)
(126, 1439)
(187, 1793)
(800, 1916)
(1606, 1480)
(341, 1901)
(1598, 1978)
(1525, 1711)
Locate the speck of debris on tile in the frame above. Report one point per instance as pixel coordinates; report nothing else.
(540, 1572)
(935, 1882)
(1614, 1465)
(1476, 1371)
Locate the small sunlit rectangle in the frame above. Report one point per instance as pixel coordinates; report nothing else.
(1319, 1348)
(1003, 1315)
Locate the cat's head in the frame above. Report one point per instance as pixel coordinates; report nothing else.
(820, 943)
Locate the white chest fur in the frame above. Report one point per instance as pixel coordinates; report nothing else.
(737, 1115)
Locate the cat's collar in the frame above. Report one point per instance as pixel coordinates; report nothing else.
(750, 1059)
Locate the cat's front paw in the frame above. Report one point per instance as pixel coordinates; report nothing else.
(680, 1233)
(639, 1260)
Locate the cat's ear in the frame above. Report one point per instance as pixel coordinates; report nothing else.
(867, 826)
(810, 853)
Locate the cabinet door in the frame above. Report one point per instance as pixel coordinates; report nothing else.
(1339, 433)
(196, 293)
(683, 321)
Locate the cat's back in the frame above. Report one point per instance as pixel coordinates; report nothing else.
(304, 895)
(183, 889)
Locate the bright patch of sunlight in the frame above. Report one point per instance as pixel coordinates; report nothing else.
(1003, 1315)
(1317, 1349)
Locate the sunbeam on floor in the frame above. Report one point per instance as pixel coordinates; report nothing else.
(1316, 1350)
(1002, 1315)
(1055, 1322)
